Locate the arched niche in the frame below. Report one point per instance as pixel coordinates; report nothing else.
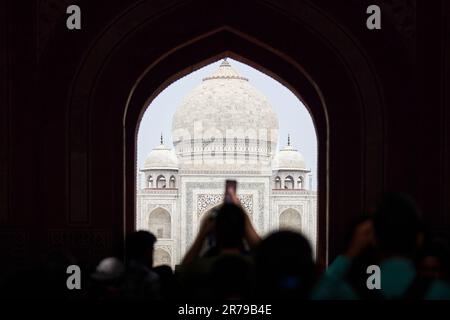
(290, 219)
(161, 182)
(300, 184)
(277, 182)
(161, 257)
(172, 182)
(159, 223)
(289, 182)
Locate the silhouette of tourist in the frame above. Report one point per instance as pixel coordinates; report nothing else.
(140, 281)
(107, 279)
(228, 236)
(284, 267)
(168, 285)
(396, 230)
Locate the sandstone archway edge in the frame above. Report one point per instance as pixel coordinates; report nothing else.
(131, 63)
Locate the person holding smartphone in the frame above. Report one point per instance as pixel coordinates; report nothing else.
(223, 272)
(229, 227)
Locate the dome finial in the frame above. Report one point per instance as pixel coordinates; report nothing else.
(225, 71)
(162, 141)
(225, 63)
(289, 140)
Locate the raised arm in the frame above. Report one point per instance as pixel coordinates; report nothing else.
(194, 251)
(251, 236)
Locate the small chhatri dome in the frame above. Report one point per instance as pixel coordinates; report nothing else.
(289, 159)
(161, 157)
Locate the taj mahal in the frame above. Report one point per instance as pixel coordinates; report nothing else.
(224, 129)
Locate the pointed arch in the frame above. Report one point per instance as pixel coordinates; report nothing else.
(160, 223)
(289, 182)
(161, 257)
(161, 182)
(99, 105)
(290, 219)
(277, 182)
(172, 182)
(300, 184)
(150, 181)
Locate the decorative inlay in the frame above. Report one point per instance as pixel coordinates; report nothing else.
(208, 201)
(191, 186)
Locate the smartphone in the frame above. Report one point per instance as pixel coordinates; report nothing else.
(230, 189)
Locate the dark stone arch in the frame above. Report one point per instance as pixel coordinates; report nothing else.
(108, 97)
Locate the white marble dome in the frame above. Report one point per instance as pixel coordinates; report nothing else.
(161, 157)
(225, 113)
(288, 159)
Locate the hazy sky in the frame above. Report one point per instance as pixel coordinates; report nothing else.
(293, 116)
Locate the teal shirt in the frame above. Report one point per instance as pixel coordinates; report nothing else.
(397, 275)
(439, 290)
(332, 285)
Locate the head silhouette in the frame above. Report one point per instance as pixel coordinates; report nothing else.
(229, 226)
(397, 224)
(230, 277)
(139, 247)
(284, 266)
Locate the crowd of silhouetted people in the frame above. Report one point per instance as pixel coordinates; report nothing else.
(229, 261)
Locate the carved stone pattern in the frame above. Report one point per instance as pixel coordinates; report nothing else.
(230, 172)
(14, 244)
(91, 243)
(158, 191)
(190, 186)
(294, 192)
(168, 249)
(208, 201)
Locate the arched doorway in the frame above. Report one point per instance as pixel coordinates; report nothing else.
(311, 72)
(300, 183)
(172, 182)
(289, 182)
(277, 182)
(202, 100)
(161, 182)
